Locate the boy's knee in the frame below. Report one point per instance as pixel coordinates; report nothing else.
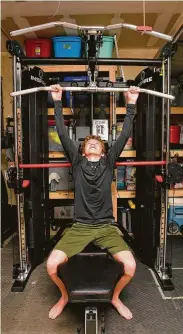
(55, 259)
(130, 267)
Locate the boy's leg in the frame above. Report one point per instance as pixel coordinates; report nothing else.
(109, 238)
(72, 242)
(56, 258)
(126, 259)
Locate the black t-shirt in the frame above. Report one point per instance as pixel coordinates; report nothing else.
(92, 180)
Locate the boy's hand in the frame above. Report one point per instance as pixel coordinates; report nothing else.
(56, 92)
(131, 95)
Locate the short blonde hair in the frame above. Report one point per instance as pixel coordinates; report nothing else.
(92, 137)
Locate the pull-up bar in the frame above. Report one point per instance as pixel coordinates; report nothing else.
(91, 89)
(67, 164)
(92, 30)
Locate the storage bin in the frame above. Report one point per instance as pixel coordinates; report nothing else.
(67, 46)
(175, 134)
(78, 98)
(107, 47)
(121, 172)
(53, 139)
(105, 51)
(39, 48)
(175, 215)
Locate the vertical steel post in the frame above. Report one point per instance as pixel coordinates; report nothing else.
(167, 159)
(17, 104)
(23, 265)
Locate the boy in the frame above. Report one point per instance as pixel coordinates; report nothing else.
(93, 214)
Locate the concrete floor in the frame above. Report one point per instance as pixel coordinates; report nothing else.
(27, 312)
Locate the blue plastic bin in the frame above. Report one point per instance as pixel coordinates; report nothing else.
(121, 171)
(67, 46)
(67, 94)
(175, 215)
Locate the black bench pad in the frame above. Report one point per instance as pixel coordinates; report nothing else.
(90, 276)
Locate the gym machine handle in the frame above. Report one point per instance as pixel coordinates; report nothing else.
(91, 89)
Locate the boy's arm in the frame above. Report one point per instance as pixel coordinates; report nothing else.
(68, 145)
(117, 148)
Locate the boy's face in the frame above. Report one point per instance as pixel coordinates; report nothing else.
(93, 146)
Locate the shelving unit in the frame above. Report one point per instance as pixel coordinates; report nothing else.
(116, 194)
(111, 70)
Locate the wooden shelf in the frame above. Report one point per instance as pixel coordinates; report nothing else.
(75, 68)
(119, 111)
(56, 155)
(66, 111)
(124, 154)
(178, 152)
(61, 194)
(176, 110)
(176, 192)
(125, 194)
(131, 194)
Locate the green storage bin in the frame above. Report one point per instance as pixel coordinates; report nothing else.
(107, 47)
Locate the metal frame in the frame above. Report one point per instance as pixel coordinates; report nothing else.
(29, 128)
(161, 257)
(85, 61)
(148, 125)
(163, 270)
(22, 268)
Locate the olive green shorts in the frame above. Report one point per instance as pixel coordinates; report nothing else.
(106, 236)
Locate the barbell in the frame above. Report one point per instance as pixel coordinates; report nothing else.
(92, 29)
(91, 89)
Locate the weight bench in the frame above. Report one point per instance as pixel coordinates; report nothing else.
(90, 277)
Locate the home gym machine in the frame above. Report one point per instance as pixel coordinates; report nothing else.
(28, 173)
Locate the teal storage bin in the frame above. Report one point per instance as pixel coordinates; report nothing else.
(121, 171)
(67, 46)
(107, 47)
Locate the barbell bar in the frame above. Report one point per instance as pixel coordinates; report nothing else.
(91, 29)
(90, 89)
(68, 164)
